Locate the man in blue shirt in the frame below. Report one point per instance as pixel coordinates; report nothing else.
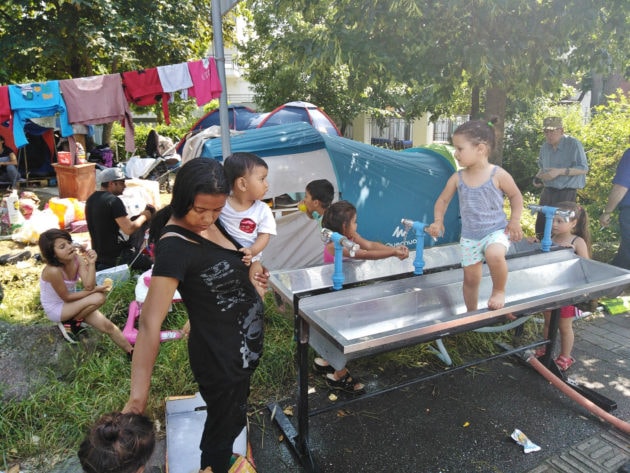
(619, 197)
(562, 168)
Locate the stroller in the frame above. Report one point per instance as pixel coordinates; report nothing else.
(161, 160)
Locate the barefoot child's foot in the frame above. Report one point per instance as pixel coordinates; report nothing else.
(497, 300)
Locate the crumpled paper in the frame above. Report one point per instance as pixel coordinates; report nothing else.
(522, 440)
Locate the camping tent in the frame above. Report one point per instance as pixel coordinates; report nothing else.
(36, 158)
(240, 118)
(384, 185)
(293, 112)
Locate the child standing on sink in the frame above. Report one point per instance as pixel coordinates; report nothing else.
(341, 217)
(486, 232)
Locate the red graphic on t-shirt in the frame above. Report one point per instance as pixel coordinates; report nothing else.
(247, 225)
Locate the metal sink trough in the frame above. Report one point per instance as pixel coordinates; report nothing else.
(383, 306)
(369, 319)
(297, 281)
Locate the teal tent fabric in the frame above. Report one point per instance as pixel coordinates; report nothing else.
(385, 185)
(271, 141)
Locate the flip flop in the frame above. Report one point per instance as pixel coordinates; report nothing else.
(347, 383)
(322, 366)
(564, 362)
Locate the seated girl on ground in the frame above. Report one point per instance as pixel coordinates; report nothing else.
(66, 266)
(341, 217)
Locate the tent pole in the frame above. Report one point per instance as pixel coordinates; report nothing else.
(219, 57)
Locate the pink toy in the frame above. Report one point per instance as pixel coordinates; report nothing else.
(130, 331)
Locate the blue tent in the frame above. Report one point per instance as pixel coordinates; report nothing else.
(240, 118)
(384, 185)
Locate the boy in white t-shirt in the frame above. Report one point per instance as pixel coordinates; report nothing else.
(245, 217)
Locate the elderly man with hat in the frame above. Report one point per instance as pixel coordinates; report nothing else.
(111, 228)
(562, 168)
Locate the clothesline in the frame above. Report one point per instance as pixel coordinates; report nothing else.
(105, 98)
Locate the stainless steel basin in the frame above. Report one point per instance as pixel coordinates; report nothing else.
(289, 283)
(368, 319)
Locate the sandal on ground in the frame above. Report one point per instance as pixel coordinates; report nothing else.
(74, 325)
(322, 366)
(564, 362)
(540, 351)
(68, 335)
(347, 383)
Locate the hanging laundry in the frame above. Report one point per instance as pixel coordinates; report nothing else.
(5, 105)
(175, 77)
(206, 83)
(144, 88)
(98, 99)
(38, 99)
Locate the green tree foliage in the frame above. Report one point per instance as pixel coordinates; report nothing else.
(605, 137)
(415, 55)
(76, 38)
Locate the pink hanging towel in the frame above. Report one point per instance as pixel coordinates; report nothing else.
(206, 83)
(144, 88)
(98, 99)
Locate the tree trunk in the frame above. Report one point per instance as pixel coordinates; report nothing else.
(107, 133)
(474, 103)
(496, 100)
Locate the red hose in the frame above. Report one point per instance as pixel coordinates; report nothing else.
(577, 397)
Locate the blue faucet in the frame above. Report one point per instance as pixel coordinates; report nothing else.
(418, 227)
(340, 242)
(549, 213)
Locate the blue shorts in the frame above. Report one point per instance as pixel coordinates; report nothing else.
(473, 251)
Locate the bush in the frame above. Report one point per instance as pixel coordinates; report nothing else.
(605, 137)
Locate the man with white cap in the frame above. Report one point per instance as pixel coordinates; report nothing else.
(562, 168)
(110, 226)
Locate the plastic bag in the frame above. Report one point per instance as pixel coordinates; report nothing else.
(32, 228)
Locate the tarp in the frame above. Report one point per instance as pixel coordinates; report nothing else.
(385, 186)
(38, 155)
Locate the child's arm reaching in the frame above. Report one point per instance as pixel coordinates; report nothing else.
(261, 242)
(247, 256)
(511, 190)
(436, 229)
(372, 250)
(255, 249)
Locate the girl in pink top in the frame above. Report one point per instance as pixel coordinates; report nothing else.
(58, 292)
(341, 217)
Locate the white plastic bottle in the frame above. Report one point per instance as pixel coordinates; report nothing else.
(16, 218)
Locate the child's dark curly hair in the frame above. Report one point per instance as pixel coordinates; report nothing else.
(117, 443)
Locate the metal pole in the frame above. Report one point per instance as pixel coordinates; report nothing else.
(219, 57)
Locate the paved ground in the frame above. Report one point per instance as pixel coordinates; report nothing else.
(461, 422)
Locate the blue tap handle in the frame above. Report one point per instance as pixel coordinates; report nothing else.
(338, 276)
(418, 227)
(340, 242)
(548, 212)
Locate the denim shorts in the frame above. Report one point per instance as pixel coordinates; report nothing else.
(473, 251)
